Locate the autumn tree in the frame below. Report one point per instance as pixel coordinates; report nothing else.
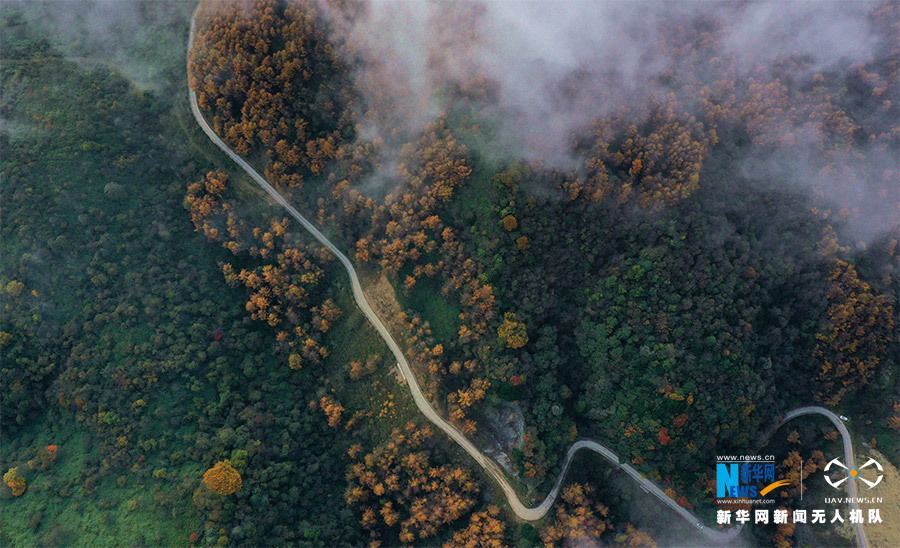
(332, 409)
(783, 532)
(358, 369)
(406, 227)
(462, 400)
(325, 315)
(894, 420)
(283, 278)
(439, 163)
(860, 329)
(578, 518)
(203, 198)
(15, 481)
(512, 331)
(48, 456)
(250, 62)
(534, 455)
(656, 161)
(635, 538)
(401, 492)
(223, 478)
(485, 530)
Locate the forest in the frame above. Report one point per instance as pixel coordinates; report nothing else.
(184, 360)
(137, 387)
(591, 327)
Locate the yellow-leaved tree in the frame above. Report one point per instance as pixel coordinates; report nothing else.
(513, 331)
(15, 481)
(223, 478)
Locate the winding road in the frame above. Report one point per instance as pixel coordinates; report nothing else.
(848, 456)
(489, 465)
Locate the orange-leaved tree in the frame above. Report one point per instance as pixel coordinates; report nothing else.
(579, 519)
(859, 333)
(402, 494)
(15, 481)
(223, 478)
(484, 529)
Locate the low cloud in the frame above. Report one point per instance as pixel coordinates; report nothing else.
(549, 68)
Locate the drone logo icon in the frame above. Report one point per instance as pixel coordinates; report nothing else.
(853, 473)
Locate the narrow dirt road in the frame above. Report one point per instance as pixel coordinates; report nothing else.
(488, 464)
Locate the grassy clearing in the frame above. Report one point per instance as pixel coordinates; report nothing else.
(64, 507)
(426, 299)
(384, 402)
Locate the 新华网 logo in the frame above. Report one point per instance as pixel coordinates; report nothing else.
(746, 480)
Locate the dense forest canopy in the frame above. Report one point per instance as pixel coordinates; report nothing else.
(680, 275)
(660, 226)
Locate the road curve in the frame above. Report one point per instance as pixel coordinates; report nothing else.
(488, 464)
(848, 456)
